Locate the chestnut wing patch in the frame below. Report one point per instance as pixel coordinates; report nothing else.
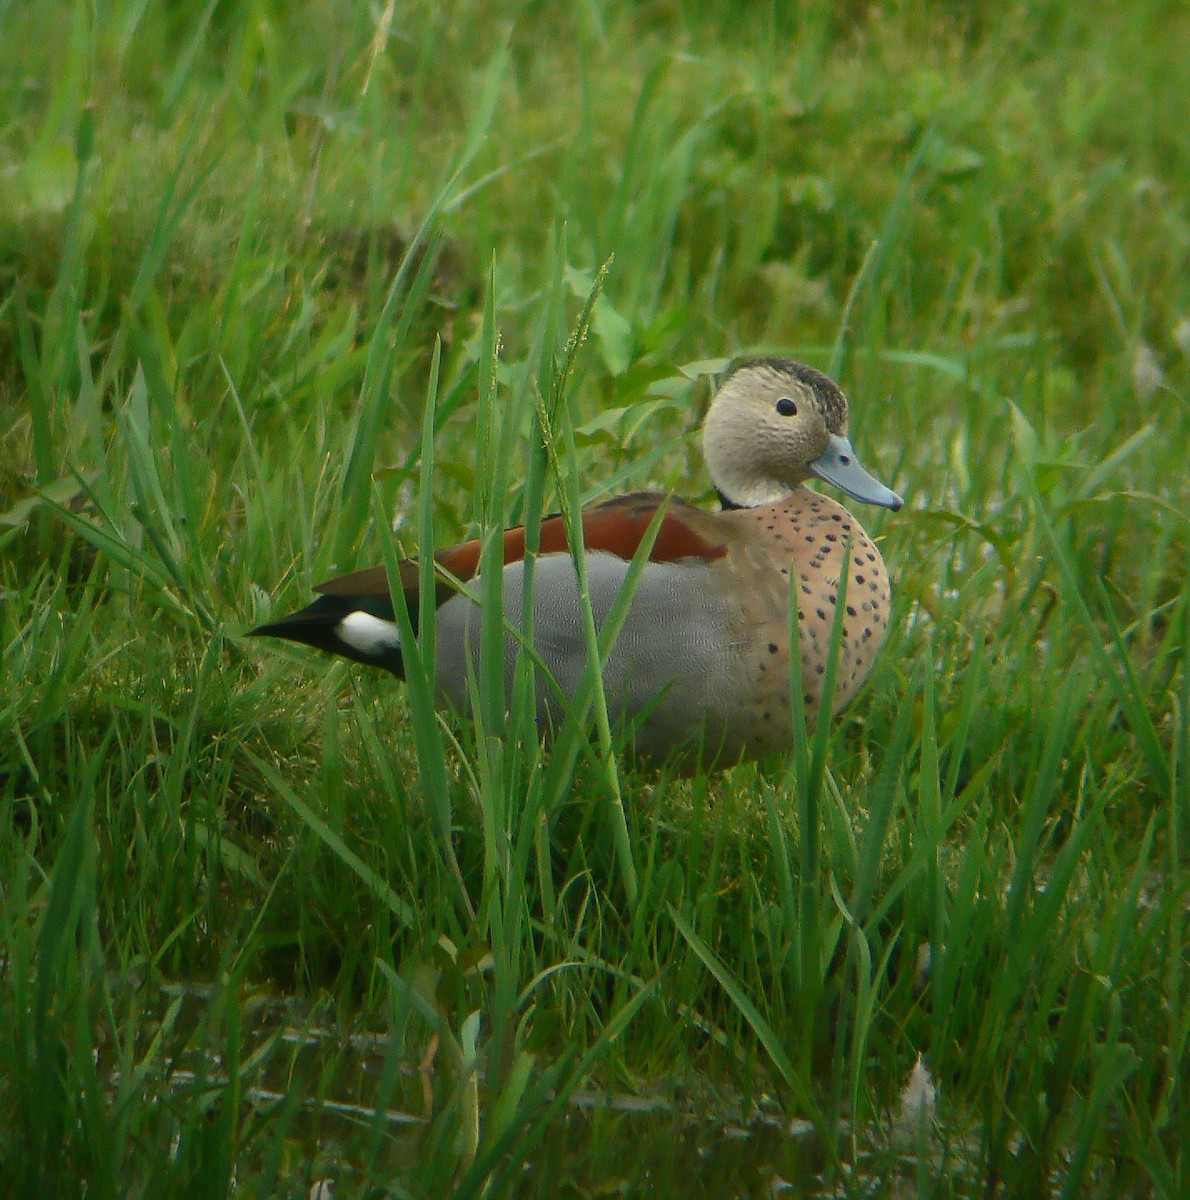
(619, 526)
(615, 527)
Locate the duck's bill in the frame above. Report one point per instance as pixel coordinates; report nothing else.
(838, 466)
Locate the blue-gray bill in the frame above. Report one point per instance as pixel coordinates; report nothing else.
(838, 466)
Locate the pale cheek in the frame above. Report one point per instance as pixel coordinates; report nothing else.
(792, 447)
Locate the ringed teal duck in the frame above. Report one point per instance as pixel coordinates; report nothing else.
(702, 661)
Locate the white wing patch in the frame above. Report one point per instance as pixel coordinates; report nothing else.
(368, 634)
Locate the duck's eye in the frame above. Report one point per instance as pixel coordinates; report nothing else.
(786, 407)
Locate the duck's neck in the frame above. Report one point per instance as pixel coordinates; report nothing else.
(753, 493)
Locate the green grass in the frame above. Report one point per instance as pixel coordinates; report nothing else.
(272, 273)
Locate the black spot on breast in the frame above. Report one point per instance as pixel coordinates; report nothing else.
(850, 611)
(772, 647)
(859, 579)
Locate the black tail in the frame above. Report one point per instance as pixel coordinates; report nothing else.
(327, 624)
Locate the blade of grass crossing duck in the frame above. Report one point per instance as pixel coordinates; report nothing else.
(417, 653)
(528, 508)
(797, 784)
(570, 496)
(809, 769)
(417, 650)
(491, 486)
(505, 727)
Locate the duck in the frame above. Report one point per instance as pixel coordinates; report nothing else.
(699, 675)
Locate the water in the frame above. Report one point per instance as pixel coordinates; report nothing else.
(316, 1086)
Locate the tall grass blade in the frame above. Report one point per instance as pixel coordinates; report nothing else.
(542, 1104)
(764, 1032)
(881, 802)
(334, 842)
(570, 496)
(1120, 679)
(403, 301)
(65, 302)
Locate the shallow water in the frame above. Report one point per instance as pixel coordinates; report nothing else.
(688, 1139)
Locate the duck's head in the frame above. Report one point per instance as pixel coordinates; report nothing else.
(772, 425)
